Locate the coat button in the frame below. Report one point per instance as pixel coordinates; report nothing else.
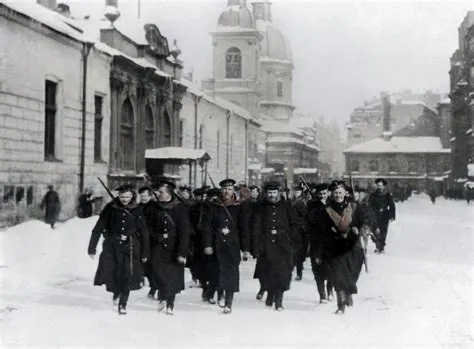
(123, 221)
(123, 228)
(165, 222)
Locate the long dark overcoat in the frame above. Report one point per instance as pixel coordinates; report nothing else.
(52, 206)
(344, 252)
(226, 231)
(170, 235)
(276, 230)
(114, 221)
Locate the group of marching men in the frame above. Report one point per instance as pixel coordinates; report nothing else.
(160, 233)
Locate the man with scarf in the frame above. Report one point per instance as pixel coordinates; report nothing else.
(276, 235)
(171, 247)
(340, 224)
(382, 203)
(225, 235)
(319, 256)
(126, 241)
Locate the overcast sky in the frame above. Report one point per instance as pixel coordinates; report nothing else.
(344, 52)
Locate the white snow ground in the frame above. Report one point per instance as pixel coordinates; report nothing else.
(419, 294)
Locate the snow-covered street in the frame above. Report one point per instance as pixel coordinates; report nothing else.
(420, 293)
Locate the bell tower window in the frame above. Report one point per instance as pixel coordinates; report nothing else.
(233, 63)
(279, 88)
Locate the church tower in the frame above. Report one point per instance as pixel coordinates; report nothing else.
(276, 65)
(236, 57)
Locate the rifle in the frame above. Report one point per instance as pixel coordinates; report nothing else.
(130, 237)
(212, 182)
(307, 186)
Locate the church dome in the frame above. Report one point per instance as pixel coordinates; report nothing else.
(275, 45)
(237, 14)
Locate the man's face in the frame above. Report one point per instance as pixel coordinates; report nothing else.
(272, 195)
(163, 194)
(227, 192)
(125, 198)
(297, 193)
(323, 195)
(145, 197)
(185, 194)
(254, 193)
(339, 194)
(357, 196)
(380, 186)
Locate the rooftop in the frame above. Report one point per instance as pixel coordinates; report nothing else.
(400, 145)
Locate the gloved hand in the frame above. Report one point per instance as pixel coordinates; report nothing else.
(208, 251)
(246, 256)
(181, 260)
(318, 261)
(144, 260)
(92, 255)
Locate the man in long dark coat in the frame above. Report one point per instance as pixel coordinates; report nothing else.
(147, 204)
(51, 205)
(319, 256)
(85, 204)
(341, 222)
(276, 234)
(225, 234)
(299, 205)
(171, 244)
(197, 213)
(126, 241)
(382, 203)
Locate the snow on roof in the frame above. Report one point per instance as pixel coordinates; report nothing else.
(218, 101)
(304, 170)
(47, 17)
(179, 153)
(302, 122)
(270, 125)
(289, 139)
(229, 29)
(273, 60)
(400, 145)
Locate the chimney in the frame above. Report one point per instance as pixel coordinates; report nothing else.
(51, 4)
(387, 133)
(64, 10)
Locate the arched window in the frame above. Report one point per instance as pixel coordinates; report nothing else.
(149, 128)
(279, 88)
(127, 140)
(233, 63)
(166, 130)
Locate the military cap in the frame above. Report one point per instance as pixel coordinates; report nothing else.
(381, 180)
(124, 188)
(273, 185)
(213, 192)
(164, 182)
(298, 186)
(144, 188)
(201, 191)
(185, 188)
(252, 187)
(337, 184)
(321, 187)
(228, 182)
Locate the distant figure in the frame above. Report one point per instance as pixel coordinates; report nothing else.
(382, 203)
(469, 192)
(432, 196)
(85, 204)
(52, 206)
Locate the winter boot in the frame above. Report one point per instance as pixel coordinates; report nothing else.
(115, 299)
(323, 298)
(260, 294)
(349, 301)
(161, 305)
(341, 302)
(221, 299)
(151, 294)
(270, 299)
(122, 309)
(227, 310)
(279, 301)
(170, 310)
